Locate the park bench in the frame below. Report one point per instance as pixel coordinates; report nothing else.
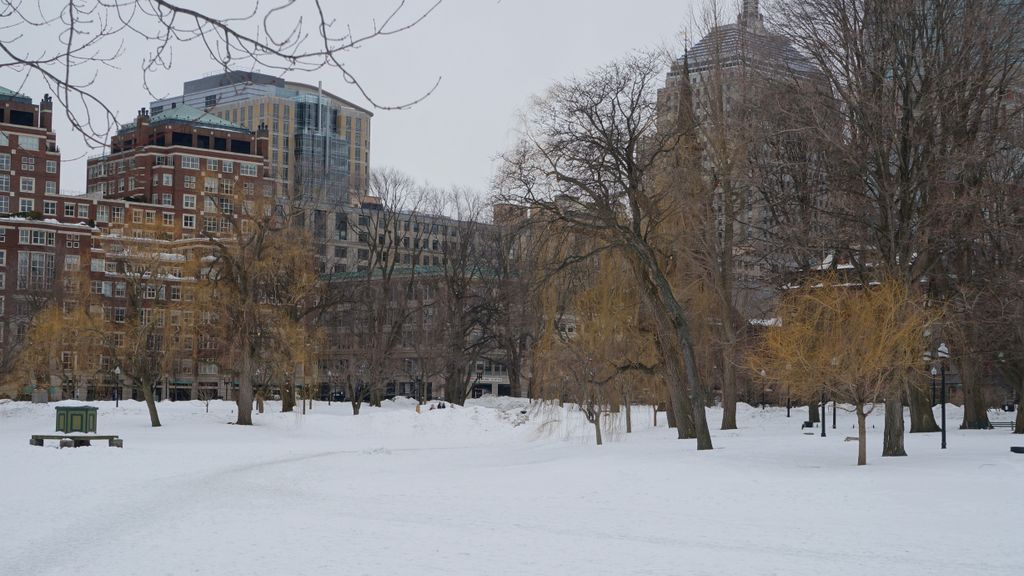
(75, 441)
(1005, 424)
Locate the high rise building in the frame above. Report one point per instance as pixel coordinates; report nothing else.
(319, 143)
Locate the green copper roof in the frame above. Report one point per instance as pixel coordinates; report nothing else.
(186, 113)
(8, 94)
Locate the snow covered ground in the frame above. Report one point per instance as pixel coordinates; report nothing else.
(487, 490)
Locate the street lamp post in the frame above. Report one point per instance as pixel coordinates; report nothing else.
(117, 387)
(823, 414)
(943, 355)
(330, 387)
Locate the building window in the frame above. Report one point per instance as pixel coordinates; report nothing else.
(211, 100)
(69, 210)
(28, 184)
(83, 210)
(168, 200)
(50, 187)
(5, 162)
(211, 164)
(28, 164)
(188, 221)
(168, 179)
(150, 217)
(168, 218)
(102, 214)
(190, 182)
(117, 214)
(136, 216)
(189, 201)
(49, 208)
(72, 262)
(227, 166)
(247, 169)
(5, 184)
(51, 166)
(190, 163)
(3, 257)
(209, 184)
(26, 204)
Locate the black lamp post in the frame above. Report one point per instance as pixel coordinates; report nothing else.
(117, 387)
(823, 414)
(943, 356)
(330, 387)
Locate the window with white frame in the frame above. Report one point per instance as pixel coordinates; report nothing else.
(168, 179)
(3, 257)
(83, 210)
(49, 207)
(28, 143)
(51, 166)
(28, 184)
(72, 262)
(189, 200)
(5, 183)
(209, 184)
(26, 204)
(69, 210)
(168, 218)
(50, 187)
(188, 221)
(190, 163)
(247, 169)
(28, 164)
(227, 166)
(72, 241)
(102, 214)
(5, 162)
(211, 164)
(190, 182)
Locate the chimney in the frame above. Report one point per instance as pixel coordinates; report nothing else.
(262, 141)
(142, 127)
(46, 113)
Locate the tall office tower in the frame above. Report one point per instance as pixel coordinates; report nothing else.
(319, 142)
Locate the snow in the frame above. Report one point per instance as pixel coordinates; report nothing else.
(498, 487)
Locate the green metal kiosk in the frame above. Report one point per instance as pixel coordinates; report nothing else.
(76, 419)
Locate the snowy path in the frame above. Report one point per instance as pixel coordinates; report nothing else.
(464, 492)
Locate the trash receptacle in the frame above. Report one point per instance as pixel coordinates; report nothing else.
(76, 419)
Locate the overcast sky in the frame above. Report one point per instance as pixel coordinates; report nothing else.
(492, 56)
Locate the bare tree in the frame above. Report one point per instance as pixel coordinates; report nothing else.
(913, 107)
(588, 160)
(89, 37)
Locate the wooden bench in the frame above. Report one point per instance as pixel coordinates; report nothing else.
(67, 441)
(993, 424)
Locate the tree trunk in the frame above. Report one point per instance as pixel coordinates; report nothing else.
(728, 392)
(597, 425)
(812, 412)
(245, 388)
(892, 443)
(147, 394)
(975, 410)
(1018, 428)
(287, 398)
(862, 435)
(355, 407)
(655, 415)
(629, 415)
(922, 419)
(678, 405)
(672, 324)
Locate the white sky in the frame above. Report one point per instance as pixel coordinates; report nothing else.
(492, 56)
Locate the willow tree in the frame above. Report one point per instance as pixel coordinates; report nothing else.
(258, 288)
(587, 161)
(601, 344)
(854, 344)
